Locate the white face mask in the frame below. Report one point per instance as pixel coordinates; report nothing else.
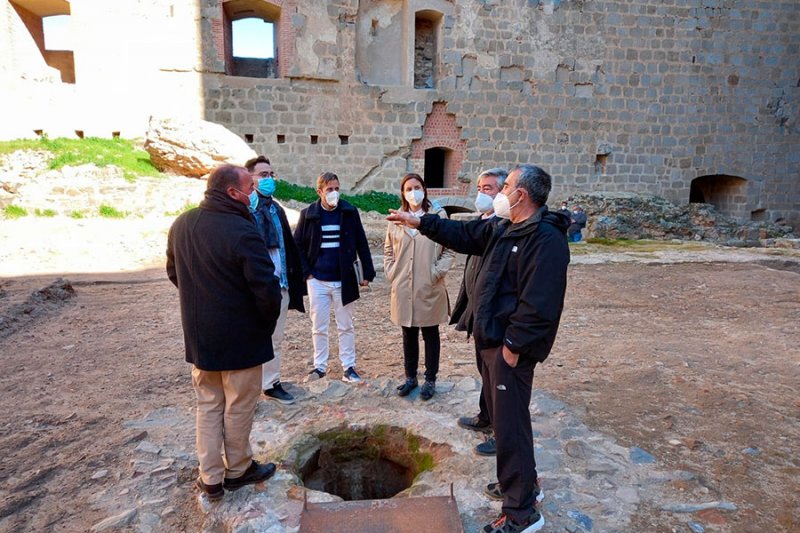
(502, 207)
(415, 197)
(332, 198)
(483, 202)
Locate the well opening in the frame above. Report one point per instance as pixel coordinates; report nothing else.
(365, 463)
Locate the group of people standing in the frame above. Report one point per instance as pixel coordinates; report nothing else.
(239, 269)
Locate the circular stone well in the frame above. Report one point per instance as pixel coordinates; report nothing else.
(364, 463)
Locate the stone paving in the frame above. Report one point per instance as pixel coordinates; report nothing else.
(591, 483)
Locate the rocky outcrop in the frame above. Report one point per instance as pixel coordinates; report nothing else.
(193, 147)
(636, 216)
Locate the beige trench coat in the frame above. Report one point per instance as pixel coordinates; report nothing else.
(416, 267)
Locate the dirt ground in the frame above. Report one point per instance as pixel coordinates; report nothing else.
(697, 363)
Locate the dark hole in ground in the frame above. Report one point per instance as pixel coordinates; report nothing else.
(364, 464)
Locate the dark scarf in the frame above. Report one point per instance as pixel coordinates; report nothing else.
(265, 222)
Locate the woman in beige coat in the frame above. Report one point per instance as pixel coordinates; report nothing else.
(416, 266)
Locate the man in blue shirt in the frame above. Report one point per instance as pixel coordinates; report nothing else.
(336, 261)
(274, 227)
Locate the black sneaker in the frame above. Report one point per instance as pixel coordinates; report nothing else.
(506, 524)
(428, 390)
(279, 394)
(255, 473)
(213, 492)
(406, 388)
(351, 376)
(488, 448)
(314, 375)
(475, 423)
(494, 491)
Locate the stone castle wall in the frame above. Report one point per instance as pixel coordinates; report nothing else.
(619, 96)
(634, 95)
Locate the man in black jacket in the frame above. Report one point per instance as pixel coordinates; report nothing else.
(513, 311)
(230, 301)
(330, 237)
(277, 234)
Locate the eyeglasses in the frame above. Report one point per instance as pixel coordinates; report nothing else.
(264, 174)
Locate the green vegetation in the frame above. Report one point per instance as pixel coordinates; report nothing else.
(181, 210)
(47, 213)
(107, 211)
(371, 201)
(76, 215)
(102, 152)
(15, 211)
(606, 245)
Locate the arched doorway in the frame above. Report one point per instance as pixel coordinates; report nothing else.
(728, 194)
(436, 163)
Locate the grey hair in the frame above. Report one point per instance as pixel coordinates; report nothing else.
(500, 173)
(536, 182)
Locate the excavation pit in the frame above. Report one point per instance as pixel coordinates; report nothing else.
(364, 463)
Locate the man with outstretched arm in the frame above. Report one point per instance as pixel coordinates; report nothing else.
(514, 310)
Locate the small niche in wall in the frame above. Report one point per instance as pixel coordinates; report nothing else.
(79, 134)
(759, 215)
(281, 139)
(600, 161)
(315, 139)
(248, 138)
(344, 139)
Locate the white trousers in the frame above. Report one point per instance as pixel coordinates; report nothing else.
(321, 296)
(271, 370)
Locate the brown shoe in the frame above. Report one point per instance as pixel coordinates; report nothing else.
(213, 492)
(255, 473)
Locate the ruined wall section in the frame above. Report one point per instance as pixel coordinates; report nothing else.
(608, 96)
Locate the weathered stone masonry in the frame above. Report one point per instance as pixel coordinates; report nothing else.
(681, 98)
(640, 96)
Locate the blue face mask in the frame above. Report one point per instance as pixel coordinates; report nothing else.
(253, 196)
(266, 186)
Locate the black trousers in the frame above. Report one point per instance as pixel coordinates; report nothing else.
(484, 413)
(508, 396)
(430, 336)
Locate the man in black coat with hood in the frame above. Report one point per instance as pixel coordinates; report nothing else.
(513, 311)
(230, 300)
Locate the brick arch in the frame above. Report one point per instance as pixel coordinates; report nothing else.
(440, 131)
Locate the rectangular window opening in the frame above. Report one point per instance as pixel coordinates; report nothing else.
(314, 139)
(600, 161)
(281, 139)
(248, 138)
(344, 139)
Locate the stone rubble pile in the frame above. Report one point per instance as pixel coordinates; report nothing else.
(637, 216)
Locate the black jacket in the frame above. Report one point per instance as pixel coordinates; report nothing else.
(353, 240)
(294, 266)
(471, 269)
(229, 295)
(519, 290)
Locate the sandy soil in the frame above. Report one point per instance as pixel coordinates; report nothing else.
(697, 363)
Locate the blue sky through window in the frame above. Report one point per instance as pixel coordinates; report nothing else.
(57, 33)
(253, 37)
